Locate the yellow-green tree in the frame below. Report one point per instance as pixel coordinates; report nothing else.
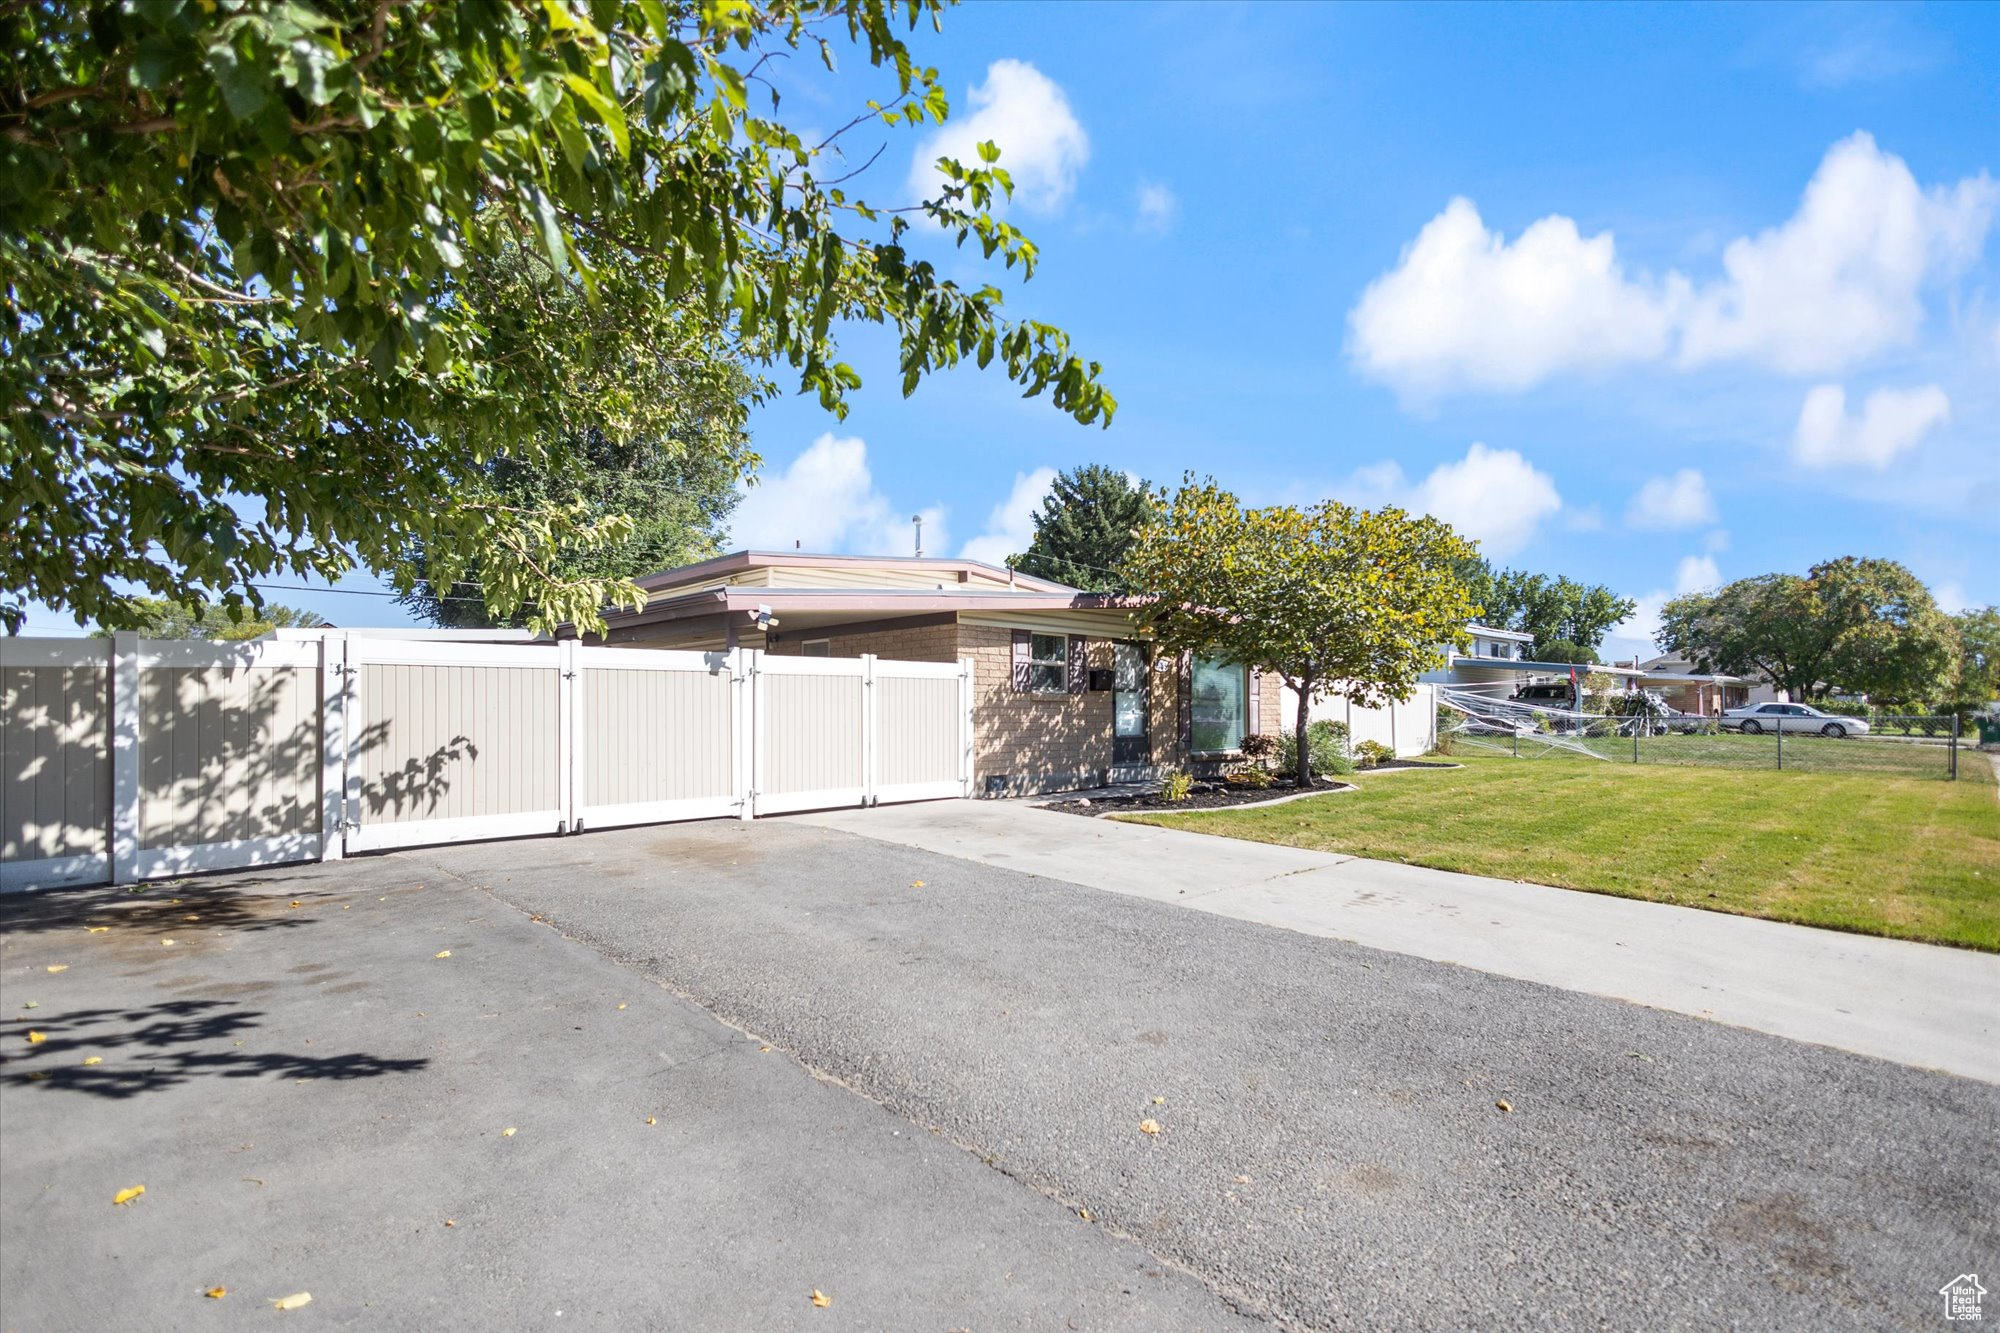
(1331, 598)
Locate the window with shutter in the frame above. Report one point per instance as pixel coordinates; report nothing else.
(1041, 662)
(1253, 722)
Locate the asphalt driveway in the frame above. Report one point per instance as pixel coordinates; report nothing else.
(963, 1056)
(523, 1134)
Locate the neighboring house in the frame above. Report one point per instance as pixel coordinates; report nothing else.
(1067, 690)
(1508, 645)
(1498, 665)
(1706, 693)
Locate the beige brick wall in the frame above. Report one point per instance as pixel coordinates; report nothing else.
(914, 643)
(1271, 719)
(1036, 742)
(1039, 742)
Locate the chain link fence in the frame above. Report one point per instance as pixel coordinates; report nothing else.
(1917, 746)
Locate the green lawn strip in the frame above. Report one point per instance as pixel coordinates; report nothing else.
(1881, 854)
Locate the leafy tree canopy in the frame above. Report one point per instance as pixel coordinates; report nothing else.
(254, 315)
(1329, 597)
(674, 485)
(1563, 650)
(1853, 625)
(1556, 610)
(1977, 681)
(157, 618)
(1086, 527)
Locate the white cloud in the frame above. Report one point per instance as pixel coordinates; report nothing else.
(1838, 282)
(1666, 503)
(1011, 524)
(1892, 422)
(1464, 308)
(1696, 573)
(1042, 144)
(1492, 496)
(1157, 207)
(1843, 278)
(1951, 598)
(826, 501)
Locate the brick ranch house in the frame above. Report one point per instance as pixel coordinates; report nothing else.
(1068, 693)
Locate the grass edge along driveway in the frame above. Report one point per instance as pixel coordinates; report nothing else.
(1915, 859)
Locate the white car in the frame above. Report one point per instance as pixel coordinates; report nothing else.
(1756, 718)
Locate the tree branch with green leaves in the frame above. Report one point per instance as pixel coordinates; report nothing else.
(254, 266)
(1331, 598)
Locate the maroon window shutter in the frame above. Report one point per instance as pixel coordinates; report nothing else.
(1255, 722)
(1079, 665)
(1020, 661)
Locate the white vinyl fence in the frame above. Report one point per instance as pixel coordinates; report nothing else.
(126, 759)
(1409, 728)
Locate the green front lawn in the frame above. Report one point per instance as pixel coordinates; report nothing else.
(1909, 857)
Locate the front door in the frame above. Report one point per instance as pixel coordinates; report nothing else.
(1131, 741)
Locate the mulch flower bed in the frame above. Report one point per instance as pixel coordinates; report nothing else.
(1221, 795)
(1204, 796)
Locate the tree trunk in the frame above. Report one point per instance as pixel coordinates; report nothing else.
(1304, 770)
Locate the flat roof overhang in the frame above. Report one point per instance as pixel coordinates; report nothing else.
(806, 608)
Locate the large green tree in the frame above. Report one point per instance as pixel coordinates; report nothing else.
(1567, 618)
(674, 482)
(1854, 625)
(157, 618)
(1976, 683)
(1330, 598)
(1086, 527)
(246, 328)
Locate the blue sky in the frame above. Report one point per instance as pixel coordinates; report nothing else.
(1248, 215)
(1656, 297)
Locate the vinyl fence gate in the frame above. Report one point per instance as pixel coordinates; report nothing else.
(127, 759)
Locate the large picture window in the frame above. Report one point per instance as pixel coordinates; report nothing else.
(1048, 663)
(1221, 697)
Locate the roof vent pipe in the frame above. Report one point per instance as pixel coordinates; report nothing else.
(918, 520)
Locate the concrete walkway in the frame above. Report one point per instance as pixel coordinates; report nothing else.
(1917, 1004)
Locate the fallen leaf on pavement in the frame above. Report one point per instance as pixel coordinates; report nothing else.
(1504, 1104)
(126, 1196)
(442, 953)
(1159, 1101)
(507, 1133)
(32, 1004)
(1149, 1126)
(93, 1059)
(651, 1121)
(821, 1299)
(916, 884)
(295, 902)
(1083, 1213)
(621, 1006)
(1241, 1180)
(166, 943)
(763, 1050)
(448, 1222)
(37, 1038)
(293, 1302)
(216, 1293)
(98, 930)
(58, 967)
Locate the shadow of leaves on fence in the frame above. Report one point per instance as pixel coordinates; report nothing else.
(155, 1047)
